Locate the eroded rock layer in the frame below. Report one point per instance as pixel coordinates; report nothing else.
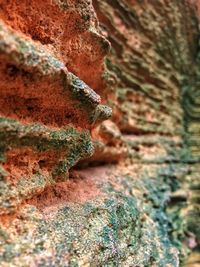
(77, 187)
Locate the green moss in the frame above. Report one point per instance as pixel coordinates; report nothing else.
(100, 114)
(108, 231)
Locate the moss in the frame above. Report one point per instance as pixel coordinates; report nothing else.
(42, 138)
(62, 4)
(109, 231)
(100, 114)
(83, 92)
(74, 145)
(61, 168)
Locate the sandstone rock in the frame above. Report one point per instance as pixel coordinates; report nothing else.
(77, 186)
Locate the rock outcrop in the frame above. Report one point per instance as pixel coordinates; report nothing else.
(99, 133)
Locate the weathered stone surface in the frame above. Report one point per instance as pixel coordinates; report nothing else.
(77, 189)
(155, 57)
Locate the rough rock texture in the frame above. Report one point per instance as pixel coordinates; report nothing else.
(78, 188)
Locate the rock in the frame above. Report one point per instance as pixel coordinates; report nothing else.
(78, 185)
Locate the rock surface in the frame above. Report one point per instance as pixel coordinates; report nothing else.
(77, 186)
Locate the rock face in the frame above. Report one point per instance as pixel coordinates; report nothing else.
(77, 186)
